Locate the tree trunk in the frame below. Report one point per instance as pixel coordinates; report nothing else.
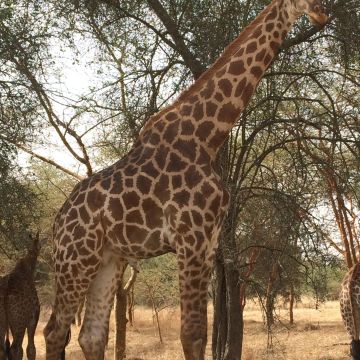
(120, 320)
(228, 313)
(291, 304)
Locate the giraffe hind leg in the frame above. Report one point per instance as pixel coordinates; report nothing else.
(99, 300)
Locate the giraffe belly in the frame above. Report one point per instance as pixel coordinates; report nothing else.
(132, 241)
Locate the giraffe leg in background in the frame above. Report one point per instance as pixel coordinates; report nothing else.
(31, 328)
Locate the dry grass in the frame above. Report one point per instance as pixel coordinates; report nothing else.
(317, 335)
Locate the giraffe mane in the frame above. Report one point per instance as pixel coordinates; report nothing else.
(217, 65)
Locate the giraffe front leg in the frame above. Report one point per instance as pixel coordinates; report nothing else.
(93, 336)
(194, 276)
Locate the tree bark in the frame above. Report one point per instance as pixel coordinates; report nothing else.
(291, 304)
(120, 315)
(228, 312)
(121, 321)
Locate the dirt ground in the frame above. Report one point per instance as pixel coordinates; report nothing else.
(316, 335)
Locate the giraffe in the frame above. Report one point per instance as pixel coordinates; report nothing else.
(19, 306)
(164, 195)
(350, 308)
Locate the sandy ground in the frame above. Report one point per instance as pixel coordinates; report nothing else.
(316, 335)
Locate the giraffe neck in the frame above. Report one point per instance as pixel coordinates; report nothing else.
(212, 105)
(27, 263)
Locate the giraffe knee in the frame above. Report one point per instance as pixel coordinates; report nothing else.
(92, 342)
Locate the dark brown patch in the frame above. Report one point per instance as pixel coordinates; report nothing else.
(258, 31)
(204, 130)
(176, 164)
(198, 112)
(225, 86)
(171, 131)
(276, 34)
(117, 183)
(84, 214)
(193, 98)
(95, 199)
(185, 110)
(240, 87)
(130, 170)
(203, 157)
(79, 232)
(274, 46)
(260, 55)
(181, 198)
(153, 242)
(189, 239)
(116, 209)
(160, 156)
(262, 40)
(187, 128)
(186, 148)
(256, 71)
(118, 230)
(228, 113)
(72, 215)
(207, 189)
(176, 181)
(269, 26)
(135, 233)
(236, 67)
(198, 220)
(153, 213)
(219, 97)
(131, 199)
(79, 199)
(150, 170)
(239, 52)
(106, 184)
(134, 216)
(217, 139)
(171, 116)
(215, 205)
(154, 138)
(272, 15)
(129, 182)
(248, 91)
(267, 59)
(249, 60)
(143, 184)
(209, 89)
(251, 47)
(159, 125)
(192, 177)
(211, 109)
(161, 190)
